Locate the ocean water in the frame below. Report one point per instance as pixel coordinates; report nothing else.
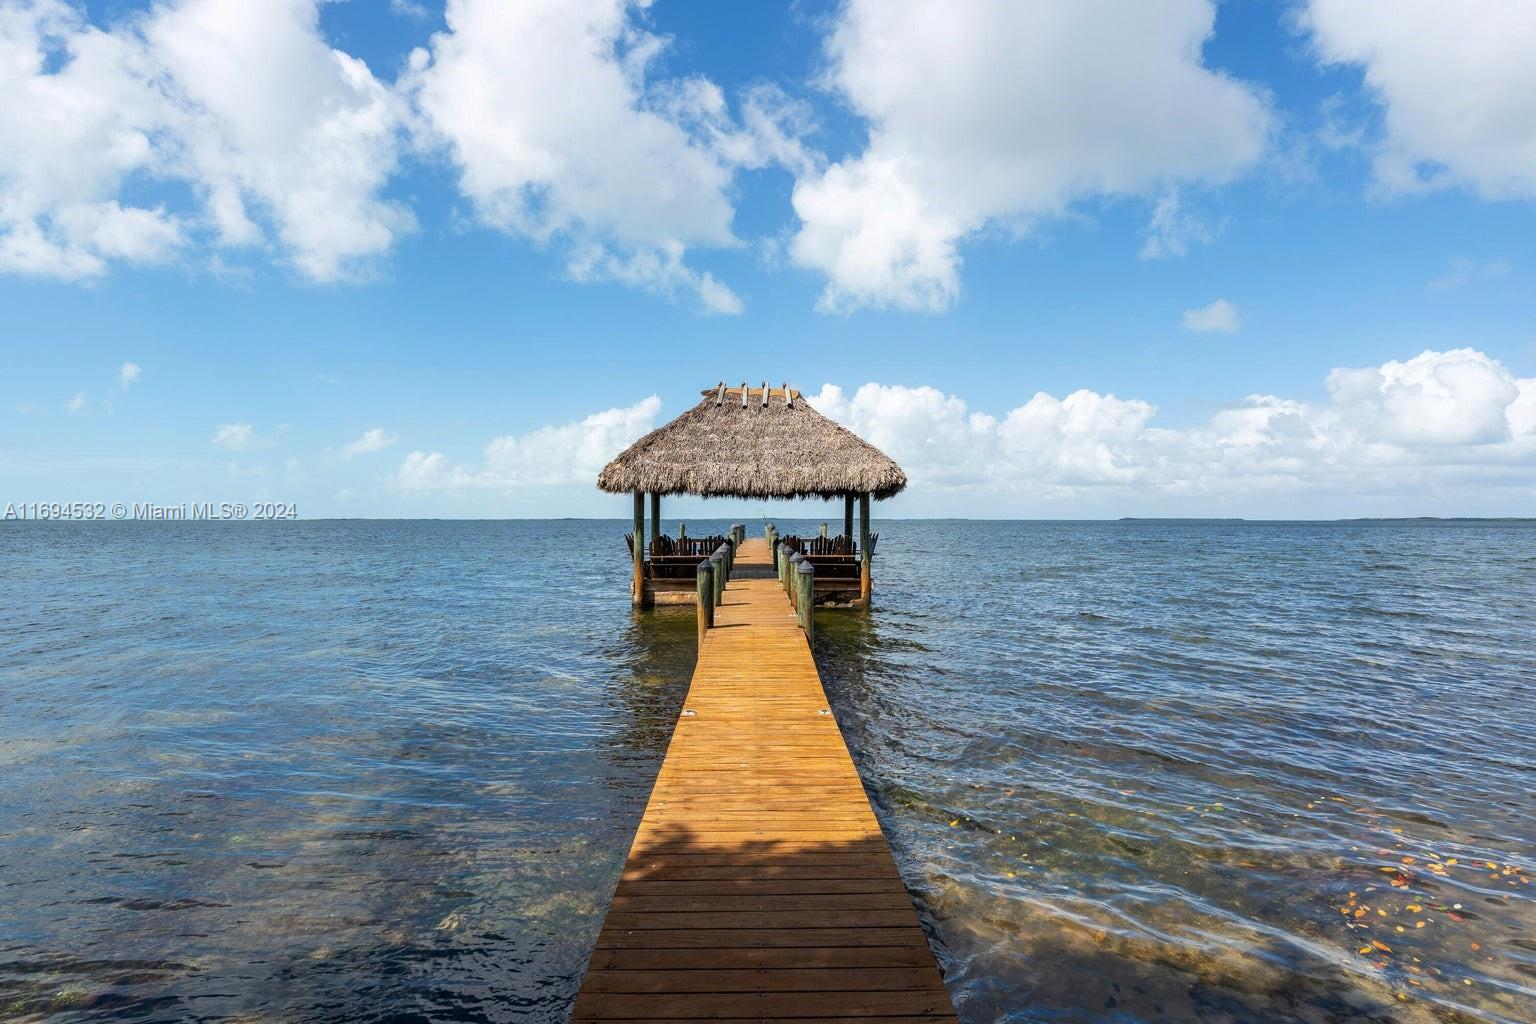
(1139, 771)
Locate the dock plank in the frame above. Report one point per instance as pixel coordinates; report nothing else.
(759, 885)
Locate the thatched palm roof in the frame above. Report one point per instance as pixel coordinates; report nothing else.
(739, 443)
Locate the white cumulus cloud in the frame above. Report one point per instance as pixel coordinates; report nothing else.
(270, 116)
(1457, 424)
(1460, 397)
(1000, 115)
(374, 439)
(128, 374)
(76, 402)
(1220, 316)
(277, 139)
(1454, 81)
(1452, 419)
(560, 136)
(572, 453)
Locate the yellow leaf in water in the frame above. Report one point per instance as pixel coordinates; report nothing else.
(1365, 949)
(954, 823)
(1381, 945)
(1414, 907)
(1418, 924)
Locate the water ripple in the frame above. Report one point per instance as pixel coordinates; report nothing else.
(1208, 771)
(1131, 771)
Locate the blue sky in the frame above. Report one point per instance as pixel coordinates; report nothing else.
(1246, 258)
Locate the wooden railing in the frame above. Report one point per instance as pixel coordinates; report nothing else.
(833, 557)
(676, 557)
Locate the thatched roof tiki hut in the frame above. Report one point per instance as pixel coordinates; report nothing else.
(742, 442)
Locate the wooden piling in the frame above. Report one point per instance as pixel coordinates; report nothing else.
(637, 590)
(848, 516)
(866, 582)
(720, 574)
(806, 604)
(655, 517)
(796, 560)
(705, 595)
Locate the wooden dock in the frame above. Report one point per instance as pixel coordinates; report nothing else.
(759, 886)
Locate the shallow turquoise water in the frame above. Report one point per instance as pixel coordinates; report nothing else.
(1131, 771)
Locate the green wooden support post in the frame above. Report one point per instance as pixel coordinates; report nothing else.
(866, 582)
(704, 593)
(823, 531)
(848, 516)
(796, 560)
(806, 584)
(717, 561)
(682, 531)
(655, 518)
(637, 590)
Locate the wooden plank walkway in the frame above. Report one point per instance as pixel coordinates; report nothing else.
(759, 886)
